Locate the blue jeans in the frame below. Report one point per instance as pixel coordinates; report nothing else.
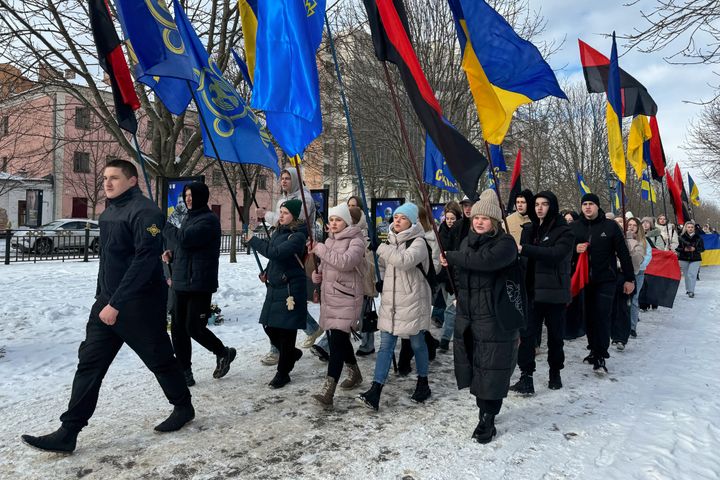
(635, 305)
(690, 272)
(449, 322)
(387, 348)
(367, 341)
(311, 327)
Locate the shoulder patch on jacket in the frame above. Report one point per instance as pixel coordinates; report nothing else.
(153, 230)
(603, 234)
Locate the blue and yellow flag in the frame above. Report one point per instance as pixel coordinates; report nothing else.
(618, 197)
(639, 136)
(694, 192)
(249, 23)
(711, 255)
(286, 83)
(435, 170)
(497, 158)
(233, 127)
(491, 180)
(582, 185)
(613, 113)
(646, 189)
(503, 70)
(158, 55)
(243, 68)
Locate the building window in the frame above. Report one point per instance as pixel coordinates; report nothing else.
(187, 133)
(79, 207)
(82, 118)
(216, 178)
(262, 182)
(4, 164)
(4, 125)
(326, 169)
(81, 162)
(216, 209)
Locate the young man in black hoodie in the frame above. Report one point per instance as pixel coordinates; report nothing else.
(605, 243)
(547, 244)
(130, 307)
(193, 251)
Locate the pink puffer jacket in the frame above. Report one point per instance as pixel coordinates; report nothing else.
(343, 268)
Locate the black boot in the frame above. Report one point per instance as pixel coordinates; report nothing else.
(189, 379)
(422, 390)
(371, 398)
(320, 352)
(524, 386)
(444, 345)
(555, 382)
(485, 430)
(177, 419)
(599, 366)
(279, 380)
(61, 440)
(432, 345)
(223, 363)
(405, 358)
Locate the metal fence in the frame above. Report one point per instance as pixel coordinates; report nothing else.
(62, 246)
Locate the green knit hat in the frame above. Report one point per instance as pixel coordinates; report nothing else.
(294, 206)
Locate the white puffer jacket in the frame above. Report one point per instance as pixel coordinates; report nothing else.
(406, 301)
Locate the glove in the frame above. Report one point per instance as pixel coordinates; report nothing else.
(379, 286)
(316, 277)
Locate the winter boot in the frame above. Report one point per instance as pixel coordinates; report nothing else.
(422, 390)
(590, 359)
(354, 377)
(444, 345)
(320, 352)
(177, 419)
(555, 382)
(485, 430)
(405, 358)
(371, 398)
(325, 397)
(279, 380)
(524, 386)
(270, 358)
(633, 333)
(599, 366)
(62, 440)
(363, 353)
(432, 345)
(223, 362)
(189, 379)
(310, 339)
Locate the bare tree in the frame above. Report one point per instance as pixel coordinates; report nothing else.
(705, 142)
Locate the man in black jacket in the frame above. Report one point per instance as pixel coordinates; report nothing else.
(129, 308)
(547, 243)
(605, 243)
(193, 251)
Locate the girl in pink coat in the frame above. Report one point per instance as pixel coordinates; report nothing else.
(342, 273)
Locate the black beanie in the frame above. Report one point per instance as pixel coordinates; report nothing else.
(200, 194)
(590, 197)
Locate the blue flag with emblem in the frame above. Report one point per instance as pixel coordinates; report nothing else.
(236, 131)
(287, 86)
(491, 180)
(582, 185)
(243, 68)
(497, 158)
(435, 169)
(158, 55)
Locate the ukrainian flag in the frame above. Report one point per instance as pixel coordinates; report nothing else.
(647, 191)
(694, 192)
(249, 24)
(711, 255)
(639, 134)
(614, 117)
(503, 70)
(581, 183)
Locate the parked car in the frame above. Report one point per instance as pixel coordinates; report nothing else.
(62, 234)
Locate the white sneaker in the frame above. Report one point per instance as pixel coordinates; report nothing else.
(310, 339)
(271, 358)
(620, 346)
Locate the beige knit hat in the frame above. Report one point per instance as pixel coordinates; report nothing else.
(488, 206)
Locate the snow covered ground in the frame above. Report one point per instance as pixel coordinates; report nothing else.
(655, 416)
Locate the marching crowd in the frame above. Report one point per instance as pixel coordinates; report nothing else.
(490, 284)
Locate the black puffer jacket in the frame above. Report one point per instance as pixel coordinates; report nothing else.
(130, 248)
(606, 242)
(686, 241)
(549, 249)
(195, 245)
(458, 232)
(285, 277)
(485, 354)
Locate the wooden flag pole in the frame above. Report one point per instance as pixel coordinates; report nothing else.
(497, 189)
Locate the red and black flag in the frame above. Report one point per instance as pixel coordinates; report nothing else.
(676, 200)
(112, 61)
(581, 276)
(596, 67)
(662, 278)
(388, 24)
(515, 184)
(657, 153)
(679, 182)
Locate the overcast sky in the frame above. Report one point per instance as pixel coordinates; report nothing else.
(672, 86)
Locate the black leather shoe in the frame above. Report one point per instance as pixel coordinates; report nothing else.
(61, 440)
(177, 419)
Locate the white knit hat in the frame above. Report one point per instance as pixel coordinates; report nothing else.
(487, 206)
(341, 211)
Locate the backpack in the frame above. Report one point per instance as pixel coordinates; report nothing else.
(431, 276)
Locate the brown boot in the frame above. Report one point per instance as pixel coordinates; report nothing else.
(354, 377)
(325, 397)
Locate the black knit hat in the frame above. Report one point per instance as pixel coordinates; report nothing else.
(293, 206)
(590, 197)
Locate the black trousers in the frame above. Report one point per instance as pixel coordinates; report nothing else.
(190, 321)
(284, 340)
(553, 316)
(620, 326)
(144, 329)
(489, 406)
(341, 352)
(598, 310)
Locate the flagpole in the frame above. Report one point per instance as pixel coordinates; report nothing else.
(141, 160)
(497, 189)
(411, 156)
(225, 175)
(667, 227)
(353, 147)
(622, 189)
(295, 161)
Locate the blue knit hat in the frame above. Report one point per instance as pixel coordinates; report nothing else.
(409, 209)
